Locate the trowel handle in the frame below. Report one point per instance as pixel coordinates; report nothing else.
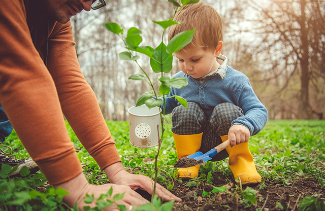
(222, 146)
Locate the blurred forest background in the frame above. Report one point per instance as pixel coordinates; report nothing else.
(278, 44)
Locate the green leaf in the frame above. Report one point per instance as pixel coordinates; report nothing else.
(136, 57)
(21, 198)
(249, 194)
(164, 89)
(167, 118)
(121, 207)
(147, 50)
(164, 79)
(13, 170)
(175, 3)
(127, 56)
(75, 207)
(103, 204)
(133, 41)
(156, 201)
(118, 196)
(61, 191)
(113, 27)
(110, 191)
(52, 203)
(184, 2)
(167, 206)
(133, 31)
(181, 100)
(180, 41)
(310, 203)
(88, 199)
(192, 184)
(160, 56)
(151, 103)
(279, 205)
(205, 193)
(166, 24)
(144, 97)
(219, 189)
(178, 82)
(5, 169)
(147, 207)
(139, 77)
(24, 171)
(34, 194)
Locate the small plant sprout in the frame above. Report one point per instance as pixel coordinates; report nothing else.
(104, 200)
(249, 195)
(214, 191)
(312, 203)
(161, 62)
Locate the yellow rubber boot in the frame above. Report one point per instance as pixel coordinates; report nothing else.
(241, 163)
(187, 145)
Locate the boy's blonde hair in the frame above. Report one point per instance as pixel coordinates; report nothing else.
(202, 17)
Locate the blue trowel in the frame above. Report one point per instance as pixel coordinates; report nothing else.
(199, 157)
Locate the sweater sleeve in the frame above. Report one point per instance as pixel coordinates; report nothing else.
(78, 101)
(30, 98)
(255, 113)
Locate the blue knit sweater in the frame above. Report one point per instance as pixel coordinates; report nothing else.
(234, 88)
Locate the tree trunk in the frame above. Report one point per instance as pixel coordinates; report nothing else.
(304, 110)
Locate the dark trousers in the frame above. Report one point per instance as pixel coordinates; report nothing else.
(5, 126)
(193, 121)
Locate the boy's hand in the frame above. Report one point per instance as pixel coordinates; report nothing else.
(238, 134)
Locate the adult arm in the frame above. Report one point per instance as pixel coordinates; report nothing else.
(30, 99)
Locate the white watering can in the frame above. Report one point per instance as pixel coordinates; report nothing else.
(143, 125)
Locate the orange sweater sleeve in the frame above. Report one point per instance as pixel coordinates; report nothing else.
(32, 96)
(78, 101)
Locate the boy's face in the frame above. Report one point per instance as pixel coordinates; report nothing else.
(198, 62)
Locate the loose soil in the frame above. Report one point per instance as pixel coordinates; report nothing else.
(271, 193)
(187, 162)
(268, 195)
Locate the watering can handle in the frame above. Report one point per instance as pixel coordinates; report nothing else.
(222, 146)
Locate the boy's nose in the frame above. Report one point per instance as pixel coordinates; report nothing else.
(86, 4)
(187, 66)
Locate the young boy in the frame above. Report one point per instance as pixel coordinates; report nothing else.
(221, 102)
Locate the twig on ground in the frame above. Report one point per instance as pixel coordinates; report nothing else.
(237, 202)
(296, 203)
(288, 205)
(267, 197)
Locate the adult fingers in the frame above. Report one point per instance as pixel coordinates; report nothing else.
(165, 195)
(147, 184)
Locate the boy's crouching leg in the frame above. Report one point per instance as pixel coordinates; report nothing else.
(241, 161)
(187, 133)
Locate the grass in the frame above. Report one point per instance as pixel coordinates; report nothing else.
(282, 151)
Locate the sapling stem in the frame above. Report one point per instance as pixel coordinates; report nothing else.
(115, 28)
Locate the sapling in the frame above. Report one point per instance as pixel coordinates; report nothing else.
(161, 61)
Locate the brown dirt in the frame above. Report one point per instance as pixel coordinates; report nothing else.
(187, 162)
(268, 195)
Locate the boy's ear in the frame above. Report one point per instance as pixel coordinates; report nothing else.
(218, 49)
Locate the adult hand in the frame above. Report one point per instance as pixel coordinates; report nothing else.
(79, 186)
(117, 175)
(238, 134)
